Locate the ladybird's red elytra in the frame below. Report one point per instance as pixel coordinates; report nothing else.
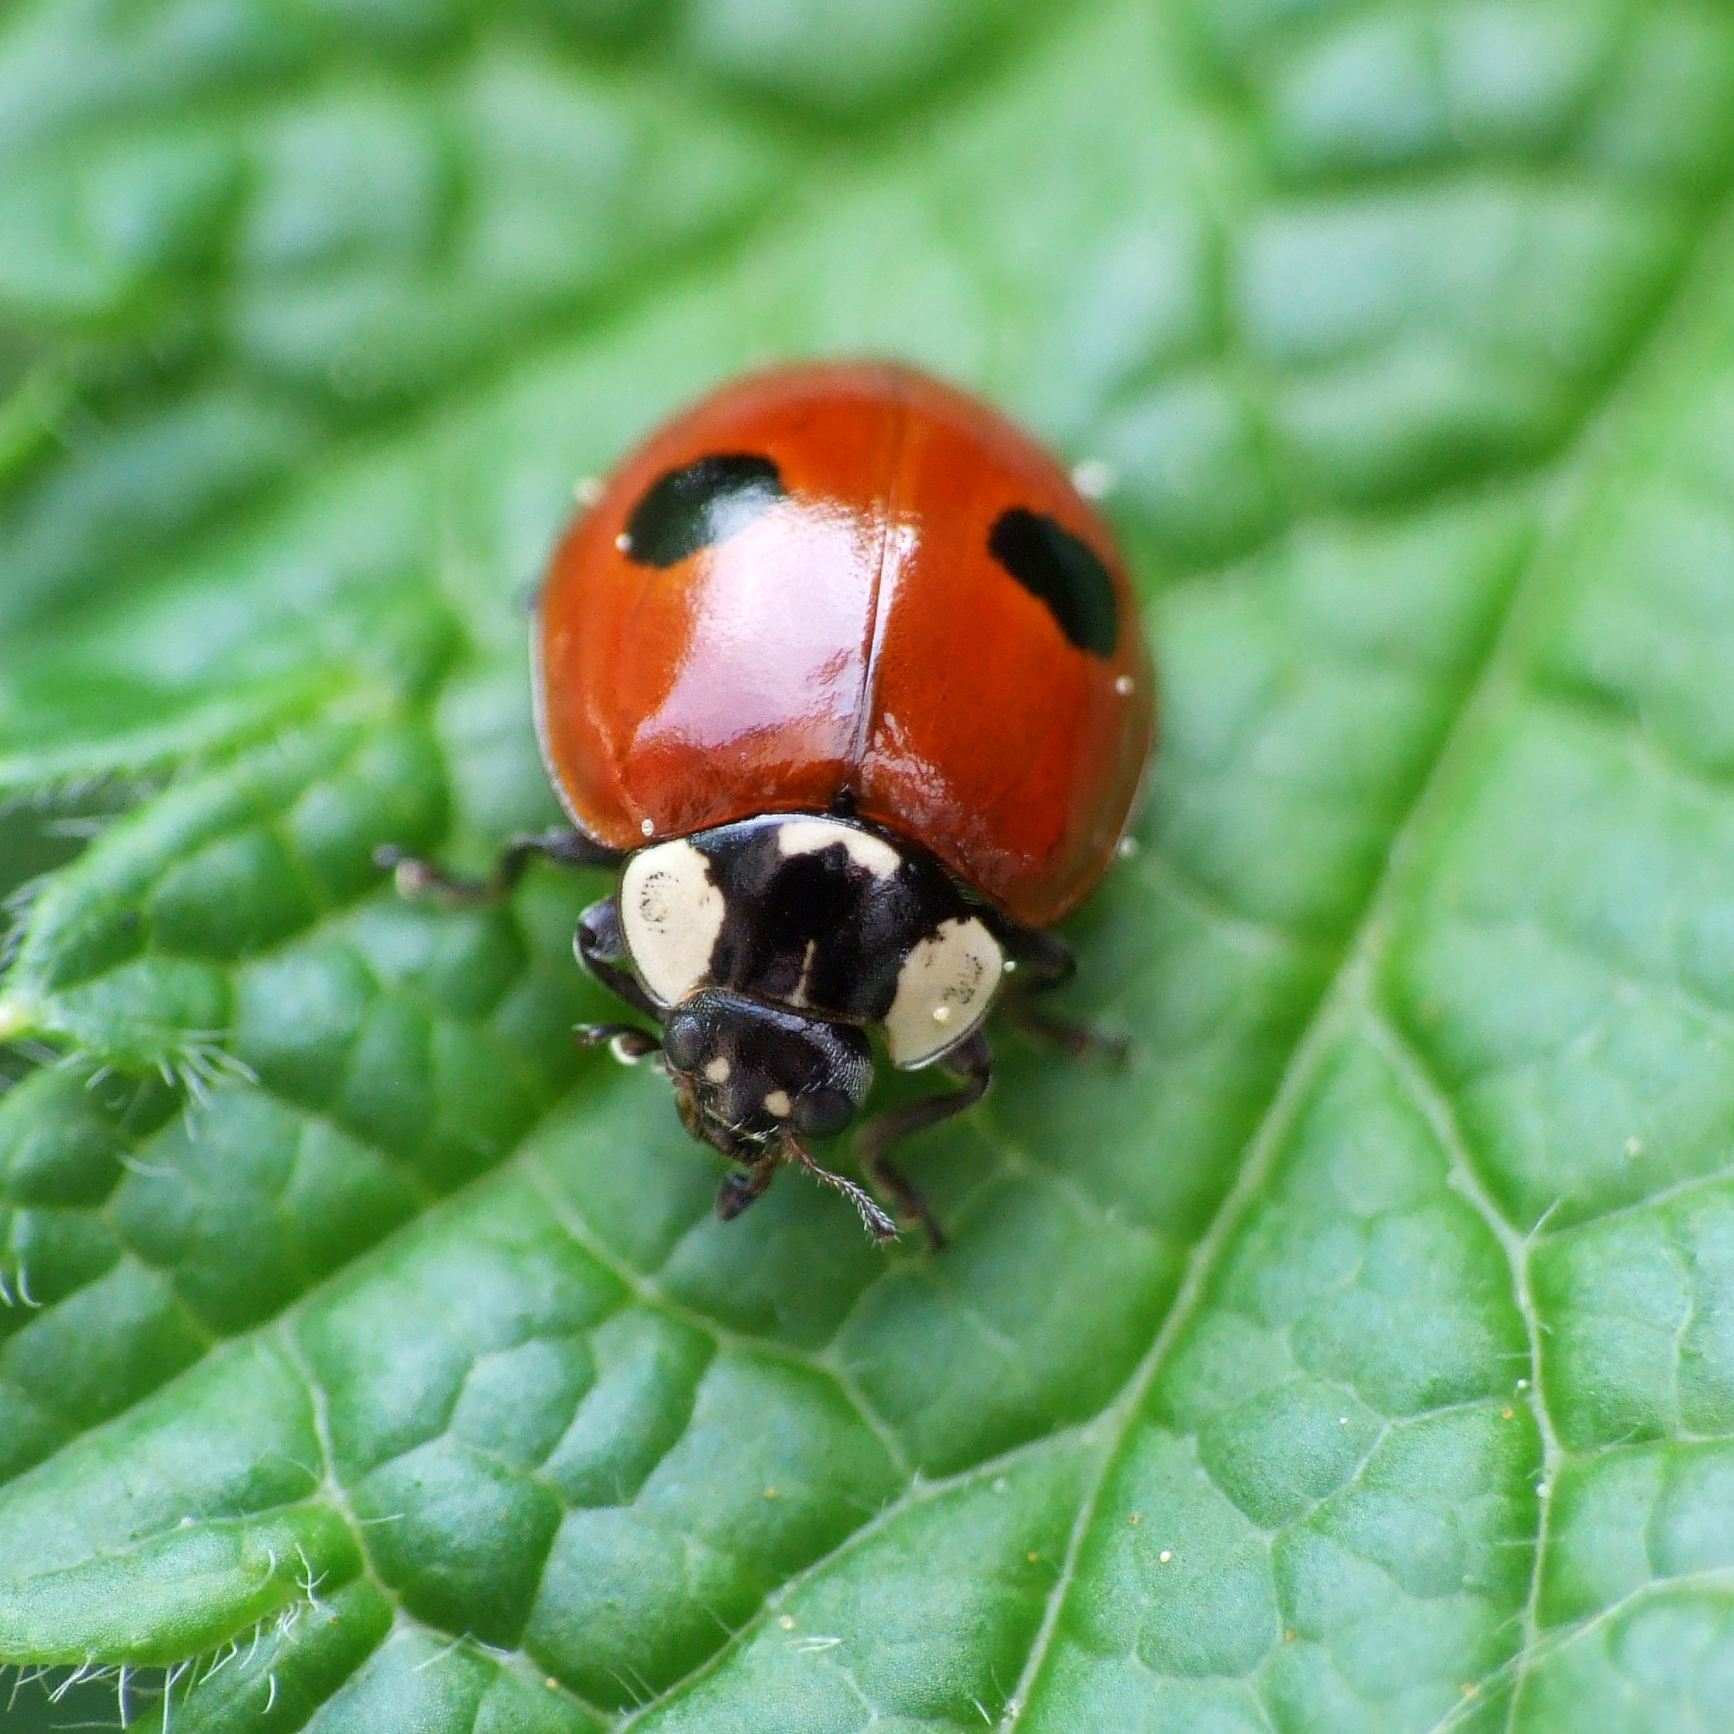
(844, 677)
(851, 582)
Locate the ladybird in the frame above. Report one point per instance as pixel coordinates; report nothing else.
(845, 681)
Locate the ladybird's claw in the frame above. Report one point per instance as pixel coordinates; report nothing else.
(733, 1195)
(740, 1188)
(410, 876)
(626, 1042)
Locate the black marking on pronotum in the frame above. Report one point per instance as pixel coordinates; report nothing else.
(817, 921)
(701, 503)
(812, 921)
(1063, 573)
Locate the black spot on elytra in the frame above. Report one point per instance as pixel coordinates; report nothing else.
(703, 502)
(1063, 573)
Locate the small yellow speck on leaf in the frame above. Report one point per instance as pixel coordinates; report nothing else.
(787, 1622)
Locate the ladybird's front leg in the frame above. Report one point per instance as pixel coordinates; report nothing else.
(418, 877)
(1040, 962)
(601, 948)
(627, 1042)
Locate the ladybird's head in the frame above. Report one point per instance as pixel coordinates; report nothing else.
(746, 1072)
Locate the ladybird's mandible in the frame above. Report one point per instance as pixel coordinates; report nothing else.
(845, 679)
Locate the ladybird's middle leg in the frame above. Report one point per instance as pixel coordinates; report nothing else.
(972, 1062)
(1045, 961)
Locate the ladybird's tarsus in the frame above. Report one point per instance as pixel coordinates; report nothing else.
(627, 1042)
(1079, 1041)
(419, 877)
(1044, 961)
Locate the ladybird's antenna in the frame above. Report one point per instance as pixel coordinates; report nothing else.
(878, 1224)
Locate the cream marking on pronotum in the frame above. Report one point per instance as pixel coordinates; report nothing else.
(809, 836)
(944, 990)
(717, 1070)
(778, 1103)
(670, 915)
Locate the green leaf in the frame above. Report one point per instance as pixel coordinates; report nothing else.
(1358, 1359)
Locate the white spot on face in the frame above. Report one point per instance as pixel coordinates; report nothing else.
(777, 1104)
(670, 915)
(623, 542)
(809, 836)
(717, 1070)
(944, 990)
(1123, 686)
(648, 827)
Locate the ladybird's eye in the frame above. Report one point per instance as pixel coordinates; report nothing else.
(1061, 572)
(823, 1113)
(703, 502)
(683, 1040)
